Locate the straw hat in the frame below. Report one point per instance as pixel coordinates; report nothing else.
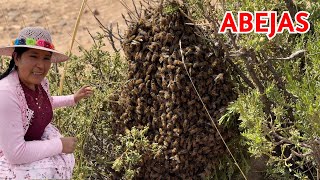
(36, 38)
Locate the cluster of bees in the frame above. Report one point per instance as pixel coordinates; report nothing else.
(160, 95)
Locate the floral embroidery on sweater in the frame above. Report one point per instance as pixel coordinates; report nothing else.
(27, 113)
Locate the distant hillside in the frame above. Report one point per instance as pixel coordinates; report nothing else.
(59, 17)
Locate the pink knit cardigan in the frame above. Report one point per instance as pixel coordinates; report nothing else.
(15, 118)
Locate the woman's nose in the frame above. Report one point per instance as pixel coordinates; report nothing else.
(40, 64)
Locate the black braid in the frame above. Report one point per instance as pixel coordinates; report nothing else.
(12, 65)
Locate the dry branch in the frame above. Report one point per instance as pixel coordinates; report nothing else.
(295, 55)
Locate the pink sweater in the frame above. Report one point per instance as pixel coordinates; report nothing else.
(15, 118)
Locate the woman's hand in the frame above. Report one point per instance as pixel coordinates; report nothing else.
(85, 91)
(69, 144)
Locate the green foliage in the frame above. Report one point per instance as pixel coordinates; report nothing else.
(170, 8)
(300, 76)
(301, 83)
(133, 144)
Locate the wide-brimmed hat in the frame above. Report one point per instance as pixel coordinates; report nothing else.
(36, 38)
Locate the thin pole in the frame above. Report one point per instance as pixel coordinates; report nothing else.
(72, 42)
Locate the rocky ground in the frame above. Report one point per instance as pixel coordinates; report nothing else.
(59, 17)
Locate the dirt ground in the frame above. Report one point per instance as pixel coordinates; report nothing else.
(59, 17)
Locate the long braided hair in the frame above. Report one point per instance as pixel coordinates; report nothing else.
(12, 65)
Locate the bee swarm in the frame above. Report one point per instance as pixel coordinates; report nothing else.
(159, 94)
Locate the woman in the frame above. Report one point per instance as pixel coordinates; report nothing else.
(30, 146)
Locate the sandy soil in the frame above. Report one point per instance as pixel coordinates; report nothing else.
(59, 16)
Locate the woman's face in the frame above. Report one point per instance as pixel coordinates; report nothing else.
(33, 65)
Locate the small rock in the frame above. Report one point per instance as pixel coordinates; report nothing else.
(63, 23)
(36, 15)
(12, 15)
(96, 12)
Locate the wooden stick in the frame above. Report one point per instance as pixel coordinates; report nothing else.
(72, 41)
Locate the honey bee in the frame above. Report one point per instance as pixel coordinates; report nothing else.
(189, 145)
(155, 29)
(185, 124)
(166, 95)
(168, 105)
(142, 33)
(173, 96)
(171, 67)
(147, 78)
(162, 106)
(165, 144)
(139, 81)
(148, 56)
(175, 118)
(168, 116)
(139, 100)
(177, 131)
(176, 158)
(206, 150)
(155, 57)
(177, 62)
(218, 78)
(138, 110)
(169, 37)
(194, 130)
(164, 124)
(172, 86)
(138, 56)
(164, 83)
(154, 87)
(174, 151)
(175, 143)
(142, 86)
(160, 140)
(168, 139)
(130, 84)
(163, 117)
(159, 36)
(206, 99)
(135, 91)
(153, 46)
(169, 126)
(190, 103)
(150, 68)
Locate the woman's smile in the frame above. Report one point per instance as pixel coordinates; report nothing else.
(38, 74)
